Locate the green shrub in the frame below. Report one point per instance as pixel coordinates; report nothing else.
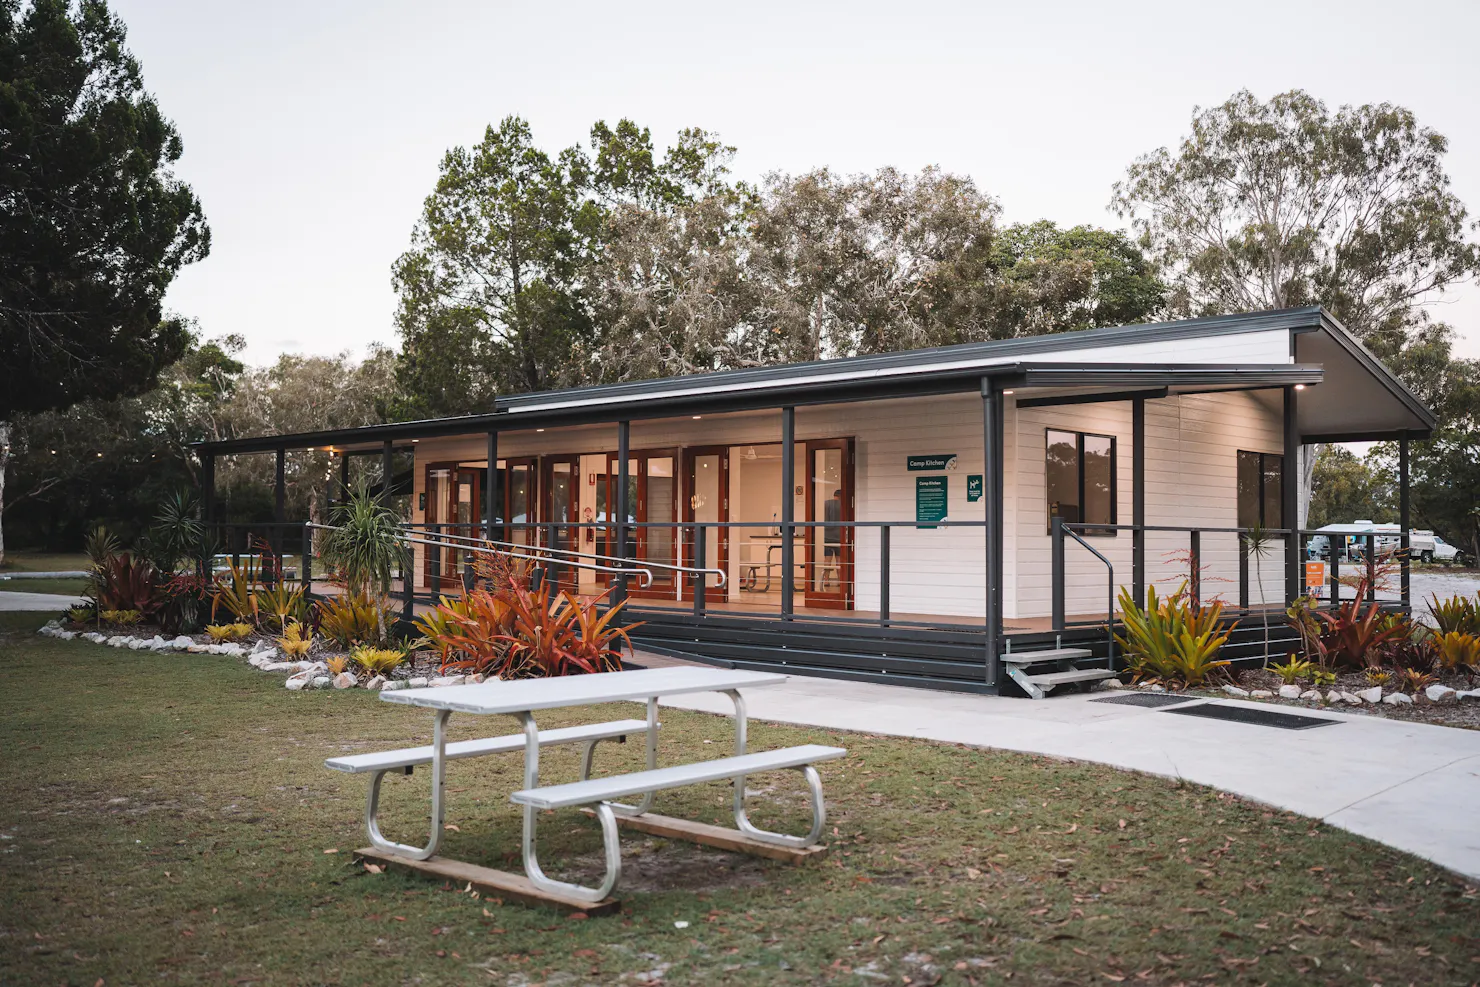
(355, 619)
(1170, 638)
(1293, 670)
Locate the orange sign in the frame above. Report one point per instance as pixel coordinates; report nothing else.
(1315, 575)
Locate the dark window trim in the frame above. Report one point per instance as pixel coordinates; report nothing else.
(1079, 438)
(1259, 494)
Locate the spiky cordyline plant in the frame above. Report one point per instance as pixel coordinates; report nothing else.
(366, 545)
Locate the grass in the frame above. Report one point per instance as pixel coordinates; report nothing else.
(62, 587)
(27, 560)
(166, 818)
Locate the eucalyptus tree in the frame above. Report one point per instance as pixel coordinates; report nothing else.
(1268, 205)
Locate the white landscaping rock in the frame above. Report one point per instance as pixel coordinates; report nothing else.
(1372, 695)
(322, 682)
(1467, 694)
(345, 680)
(1289, 692)
(376, 682)
(1397, 699)
(393, 685)
(1261, 694)
(1351, 699)
(283, 666)
(300, 681)
(1333, 697)
(1311, 695)
(477, 679)
(416, 683)
(1158, 688)
(1236, 692)
(443, 680)
(267, 654)
(182, 642)
(199, 649)
(1440, 693)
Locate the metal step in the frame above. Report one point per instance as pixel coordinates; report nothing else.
(1052, 654)
(1073, 675)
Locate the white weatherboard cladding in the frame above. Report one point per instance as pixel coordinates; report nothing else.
(1192, 445)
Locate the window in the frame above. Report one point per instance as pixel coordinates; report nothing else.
(1261, 488)
(1079, 470)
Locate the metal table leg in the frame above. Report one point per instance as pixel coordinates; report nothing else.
(814, 785)
(439, 778)
(611, 846)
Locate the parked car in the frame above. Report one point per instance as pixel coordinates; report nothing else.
(1351, 542)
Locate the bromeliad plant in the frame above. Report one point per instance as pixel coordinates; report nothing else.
(1351, 638)
(355, 619)
(444, 630)
(296, 640)
(221, 633)
(1171, 639)
(366, 548)
(1294, 670)
(281, 603)
(1457, 614)
(1456, 650)
(378, 661)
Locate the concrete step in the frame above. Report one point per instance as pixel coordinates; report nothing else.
(1050, 679)
(1051, 654)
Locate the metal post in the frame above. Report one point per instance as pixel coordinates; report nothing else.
(1056, 564)
(1243, 572)
(624, 508)
(992, 431)
(1194, 566)
(884, 575)
(343, 477)
(1336, 570)
(700, 580)
(1138, 498)
(385, 470)
(788, 508)
(305, 563)
(1371, 567)
(208, 488)
(490, 487)
(1290, 499)
(279, 490)
(1405, 540)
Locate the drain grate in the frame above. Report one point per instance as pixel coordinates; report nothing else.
(1258, 717)
(1149, 699)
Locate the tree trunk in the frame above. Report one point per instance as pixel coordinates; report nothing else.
(4, 464)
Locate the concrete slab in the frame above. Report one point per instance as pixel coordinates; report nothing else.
(49, 603)
(1409, 785)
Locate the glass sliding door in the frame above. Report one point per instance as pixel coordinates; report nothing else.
(453, 508)
(520, 497)
(829, 545)
(707, 482)
(562, 512)
(652, 505)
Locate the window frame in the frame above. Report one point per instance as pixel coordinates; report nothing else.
(1262, 471)
(1079, 438)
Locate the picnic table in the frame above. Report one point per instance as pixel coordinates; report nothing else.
(522, 699)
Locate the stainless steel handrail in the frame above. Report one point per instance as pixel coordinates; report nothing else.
(642, 572)
(691, 570)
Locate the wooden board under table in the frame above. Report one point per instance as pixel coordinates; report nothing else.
(722, 837)
(488, 882)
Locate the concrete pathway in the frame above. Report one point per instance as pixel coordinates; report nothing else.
(1411, 786)
(48, 603)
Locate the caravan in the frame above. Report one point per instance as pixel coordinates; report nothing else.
(1351, 542)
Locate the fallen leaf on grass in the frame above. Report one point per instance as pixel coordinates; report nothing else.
(332, 849)
(373, 868)
(451, 827)
(1121, 824)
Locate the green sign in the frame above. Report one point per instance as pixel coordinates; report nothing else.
(930, 500)
(931, 464)
(973, 488)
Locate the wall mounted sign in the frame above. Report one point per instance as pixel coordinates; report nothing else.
(931, 464)
(973, 488)
(930, 500)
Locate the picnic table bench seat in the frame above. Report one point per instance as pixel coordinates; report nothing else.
(606, 789)
(409, 757)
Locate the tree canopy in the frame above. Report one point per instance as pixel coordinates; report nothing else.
(93, 224)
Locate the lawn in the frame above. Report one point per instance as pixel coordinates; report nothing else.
(26, 560)
(167, 818)
(61, 587)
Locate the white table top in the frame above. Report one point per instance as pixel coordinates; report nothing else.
(525, 695)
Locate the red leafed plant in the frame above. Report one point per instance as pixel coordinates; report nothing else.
(1352, 637)
(124, 582)
(516, 633)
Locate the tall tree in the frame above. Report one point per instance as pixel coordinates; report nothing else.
(1283, 203)
(497, 260)
(1345, 488)
(93, 224)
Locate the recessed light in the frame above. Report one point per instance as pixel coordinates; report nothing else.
(697, 417)
(1299, 387)
(539, 430)
(414, 441)
(1006, 392)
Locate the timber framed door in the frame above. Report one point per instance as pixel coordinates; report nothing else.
(521, 500)
(706, 498)
(454, 507)
(652, 496)
(828, 572)
(561, 514)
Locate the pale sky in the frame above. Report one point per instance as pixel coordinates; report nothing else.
(313, 130)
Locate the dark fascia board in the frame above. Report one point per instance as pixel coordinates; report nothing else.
(1381, 436)
(1297, 319)
(1127, 376)
(1098, 397)
(1343, 338)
